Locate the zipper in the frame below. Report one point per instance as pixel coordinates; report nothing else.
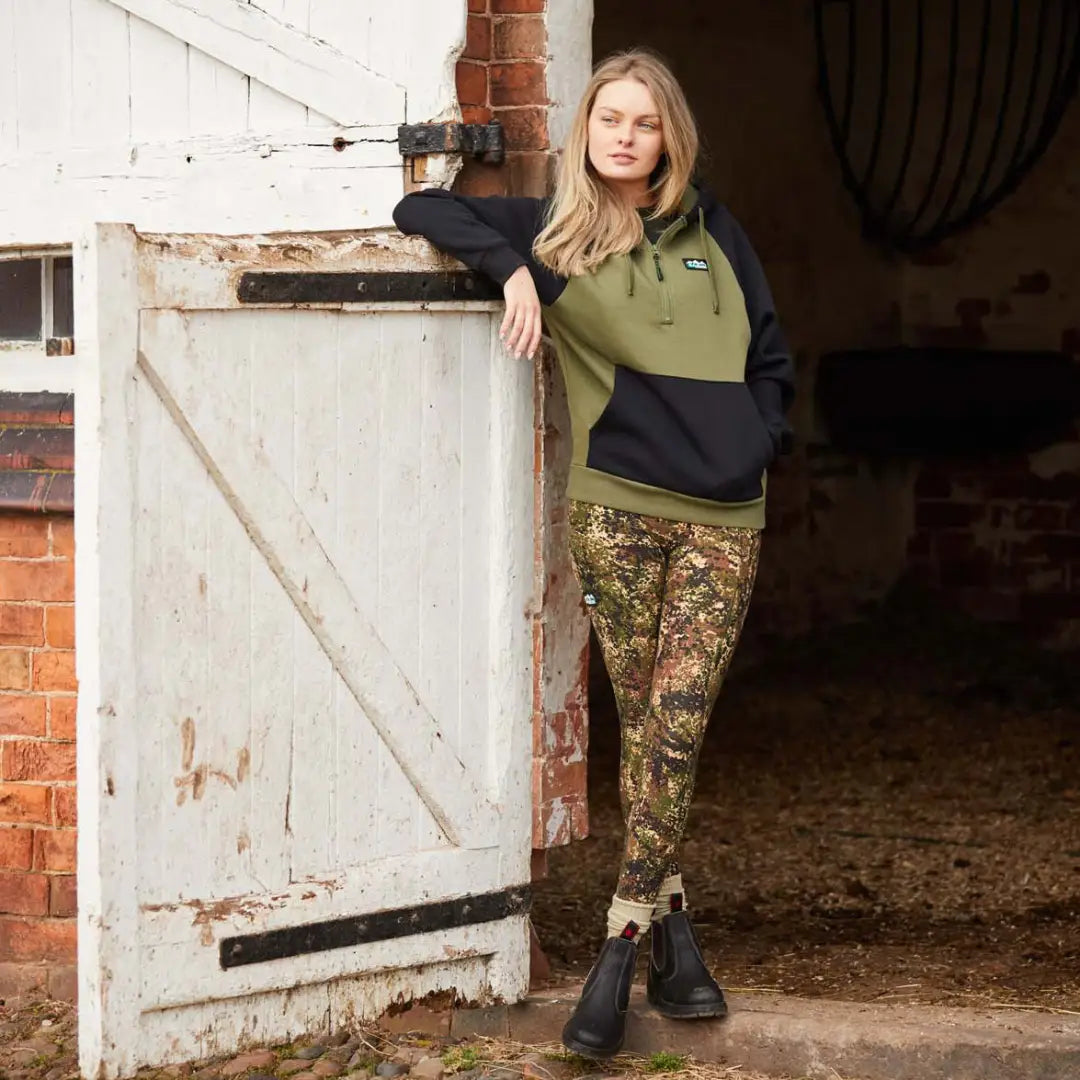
(666, 314)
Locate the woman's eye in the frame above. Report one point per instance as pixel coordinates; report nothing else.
(648, 127)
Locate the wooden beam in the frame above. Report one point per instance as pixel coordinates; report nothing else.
(283, 58)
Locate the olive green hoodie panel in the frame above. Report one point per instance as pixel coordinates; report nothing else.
(597, 325)
(663, 327)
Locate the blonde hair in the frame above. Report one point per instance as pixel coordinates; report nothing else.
(587, 220)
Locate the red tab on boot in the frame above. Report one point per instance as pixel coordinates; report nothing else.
(675, 901)
(630, 931)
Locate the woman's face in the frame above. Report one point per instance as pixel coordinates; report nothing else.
(625, 137)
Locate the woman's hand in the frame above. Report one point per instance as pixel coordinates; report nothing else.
(520, 330)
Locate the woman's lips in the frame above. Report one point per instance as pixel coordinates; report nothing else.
(623, 158)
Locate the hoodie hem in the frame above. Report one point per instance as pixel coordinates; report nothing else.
(605, 489)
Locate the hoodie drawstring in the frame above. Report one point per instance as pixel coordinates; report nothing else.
(629, 275)
(709, 262)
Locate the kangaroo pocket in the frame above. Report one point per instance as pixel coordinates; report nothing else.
(691, 436)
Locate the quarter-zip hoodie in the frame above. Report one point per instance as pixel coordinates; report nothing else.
(677, 374)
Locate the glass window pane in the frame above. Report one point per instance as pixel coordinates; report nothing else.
(63, 299)
(20, 299)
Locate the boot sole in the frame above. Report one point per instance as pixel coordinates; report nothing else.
(688, 1012)
(589, 1052)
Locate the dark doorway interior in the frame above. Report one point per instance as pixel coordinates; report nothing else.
(888, 805)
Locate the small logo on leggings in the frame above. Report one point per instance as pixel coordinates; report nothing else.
(590, 599)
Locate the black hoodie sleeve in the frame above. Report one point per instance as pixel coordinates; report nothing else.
(493, 234)
(770, 373)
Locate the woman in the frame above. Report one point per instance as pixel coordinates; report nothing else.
(678, 380)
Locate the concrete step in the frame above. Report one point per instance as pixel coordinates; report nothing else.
(799, 1037)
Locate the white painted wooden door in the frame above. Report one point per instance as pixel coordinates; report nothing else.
(224, 116)
(304, 574)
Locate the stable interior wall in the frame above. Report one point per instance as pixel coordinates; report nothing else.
(1000, 536)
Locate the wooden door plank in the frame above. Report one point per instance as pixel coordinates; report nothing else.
(100, 76)
(106, 329)
(279, 530)
(283, 58)
(397, 614)
(310, 363)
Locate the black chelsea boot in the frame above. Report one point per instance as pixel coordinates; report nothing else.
(597, 1027)
(679, 984)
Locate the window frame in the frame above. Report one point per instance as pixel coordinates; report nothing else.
(28, 365)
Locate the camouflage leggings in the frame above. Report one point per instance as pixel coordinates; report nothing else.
(667, 600)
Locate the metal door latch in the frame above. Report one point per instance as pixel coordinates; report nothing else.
(483, 141)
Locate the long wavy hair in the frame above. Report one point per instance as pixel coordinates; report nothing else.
(587, 220)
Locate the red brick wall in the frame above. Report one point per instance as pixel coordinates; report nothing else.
(37, 695)
(501, 76)
(37, 754)
(1000, 535)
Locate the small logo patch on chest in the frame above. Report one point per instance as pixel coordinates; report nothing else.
(695, 264)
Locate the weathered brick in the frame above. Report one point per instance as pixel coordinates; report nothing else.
(63, 982)
(476, 114)
(23, 894)
(60, 498)
(930, 515)
(477, 38)
(21, 979)
(60, 626)
(54, 849)
(521, 83)
(22, 624)
(36, 407)
(476, 178)
(519, 37)
(25, 448)
(63, 536)
(24, 803)
(16, 848)
(22, 714)
(37, 939)
(472, 83)
(524, 127)
(62, 894)
(1040, 517)
(14, 669)
(23, 536)
(517, 7)
(54, 670)
(62, 717)
(477, 7)
(36, 759)
(530, 172)
(51, 580)
(65, 807)
(563, 777)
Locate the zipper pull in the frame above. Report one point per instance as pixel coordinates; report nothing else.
(659, 270)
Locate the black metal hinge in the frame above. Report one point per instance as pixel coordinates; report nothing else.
(338, 287)
(353, 930)
(484, 141)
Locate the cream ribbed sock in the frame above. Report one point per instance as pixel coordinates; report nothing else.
(672, 886)
(627, 919)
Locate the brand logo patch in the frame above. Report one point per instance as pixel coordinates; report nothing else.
(695, 264)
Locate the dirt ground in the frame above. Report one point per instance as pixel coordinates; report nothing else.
(885, 812)
(38, 1042)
